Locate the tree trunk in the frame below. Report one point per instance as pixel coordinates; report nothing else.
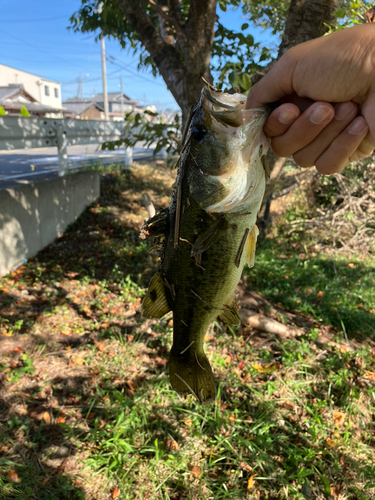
(180, 49)
(307, 19)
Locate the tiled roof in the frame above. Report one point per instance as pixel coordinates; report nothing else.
(113, 97)
(80, 107)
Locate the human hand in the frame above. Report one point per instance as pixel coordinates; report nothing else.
(338, 68)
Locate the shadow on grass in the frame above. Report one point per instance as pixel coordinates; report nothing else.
(328, 289)
(103, 247)
(37, 455)
(136, 427)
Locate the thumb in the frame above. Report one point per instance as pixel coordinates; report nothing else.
(271, 88)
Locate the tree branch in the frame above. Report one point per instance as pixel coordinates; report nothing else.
(166, 17)
(165, 56)
(307, 19)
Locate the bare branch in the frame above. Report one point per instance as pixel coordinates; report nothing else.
(164, 14)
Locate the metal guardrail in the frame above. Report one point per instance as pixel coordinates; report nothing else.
(31, 132)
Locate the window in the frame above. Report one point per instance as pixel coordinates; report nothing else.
(56, 92)
(46, 89)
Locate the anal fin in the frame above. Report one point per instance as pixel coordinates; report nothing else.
(229, 314)
(155, 304)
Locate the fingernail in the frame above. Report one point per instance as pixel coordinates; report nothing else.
(358, 126)
(343, 110)
(320, 114)
(287, 116)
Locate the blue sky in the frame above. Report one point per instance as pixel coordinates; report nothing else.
(34, 38)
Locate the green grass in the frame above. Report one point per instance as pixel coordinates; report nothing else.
(334, 290)
(90, 414)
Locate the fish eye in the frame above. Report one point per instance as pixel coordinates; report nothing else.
(198, 132)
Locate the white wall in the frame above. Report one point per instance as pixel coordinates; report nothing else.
(33, 84)
(33, 215)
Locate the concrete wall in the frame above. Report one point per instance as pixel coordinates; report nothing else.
(33, 215)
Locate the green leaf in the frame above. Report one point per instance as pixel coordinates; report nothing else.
(232, 77)
(244, 26)
(223, 5)
(245, 81)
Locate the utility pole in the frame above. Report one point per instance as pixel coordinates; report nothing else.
(104, 73)
(122, 100)
(80, 92)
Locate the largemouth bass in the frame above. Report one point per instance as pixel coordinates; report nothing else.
(208, 232)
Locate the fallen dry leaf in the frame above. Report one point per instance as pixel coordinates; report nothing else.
(271, 367)
(99, 345)
(338, 418)
(370, 375)
(288, 405)
(244, 465)
(47, 417)
(77, 361)
(13, 476)
(331, 442)
(195, 470)
(172, 444)
(115, 492)
(250, 482)
(335, 491)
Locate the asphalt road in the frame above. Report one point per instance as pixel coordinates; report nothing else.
(29, 164)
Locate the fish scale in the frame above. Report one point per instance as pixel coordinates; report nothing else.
(208, 232)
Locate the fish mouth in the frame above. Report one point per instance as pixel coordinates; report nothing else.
(229, 110)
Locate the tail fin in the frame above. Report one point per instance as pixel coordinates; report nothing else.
(190, 373)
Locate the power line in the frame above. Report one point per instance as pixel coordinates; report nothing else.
(112, 60)
(90, 80)
(42, 50)
(5, 21)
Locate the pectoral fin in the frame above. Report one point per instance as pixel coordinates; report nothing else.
(155, 304)
(229, 314)
(250, 246)
(210, 236)
(156, 225)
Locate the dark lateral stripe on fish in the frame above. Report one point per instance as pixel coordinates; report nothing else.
(241, 247)
(178, 217)
(205, 301)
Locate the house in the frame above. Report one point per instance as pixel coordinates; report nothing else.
(89, 109)
(83, 109)
(14, 97)
(43, 90)
(114, 104)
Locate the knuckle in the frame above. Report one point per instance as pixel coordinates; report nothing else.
(330, 167)
(280, 149)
